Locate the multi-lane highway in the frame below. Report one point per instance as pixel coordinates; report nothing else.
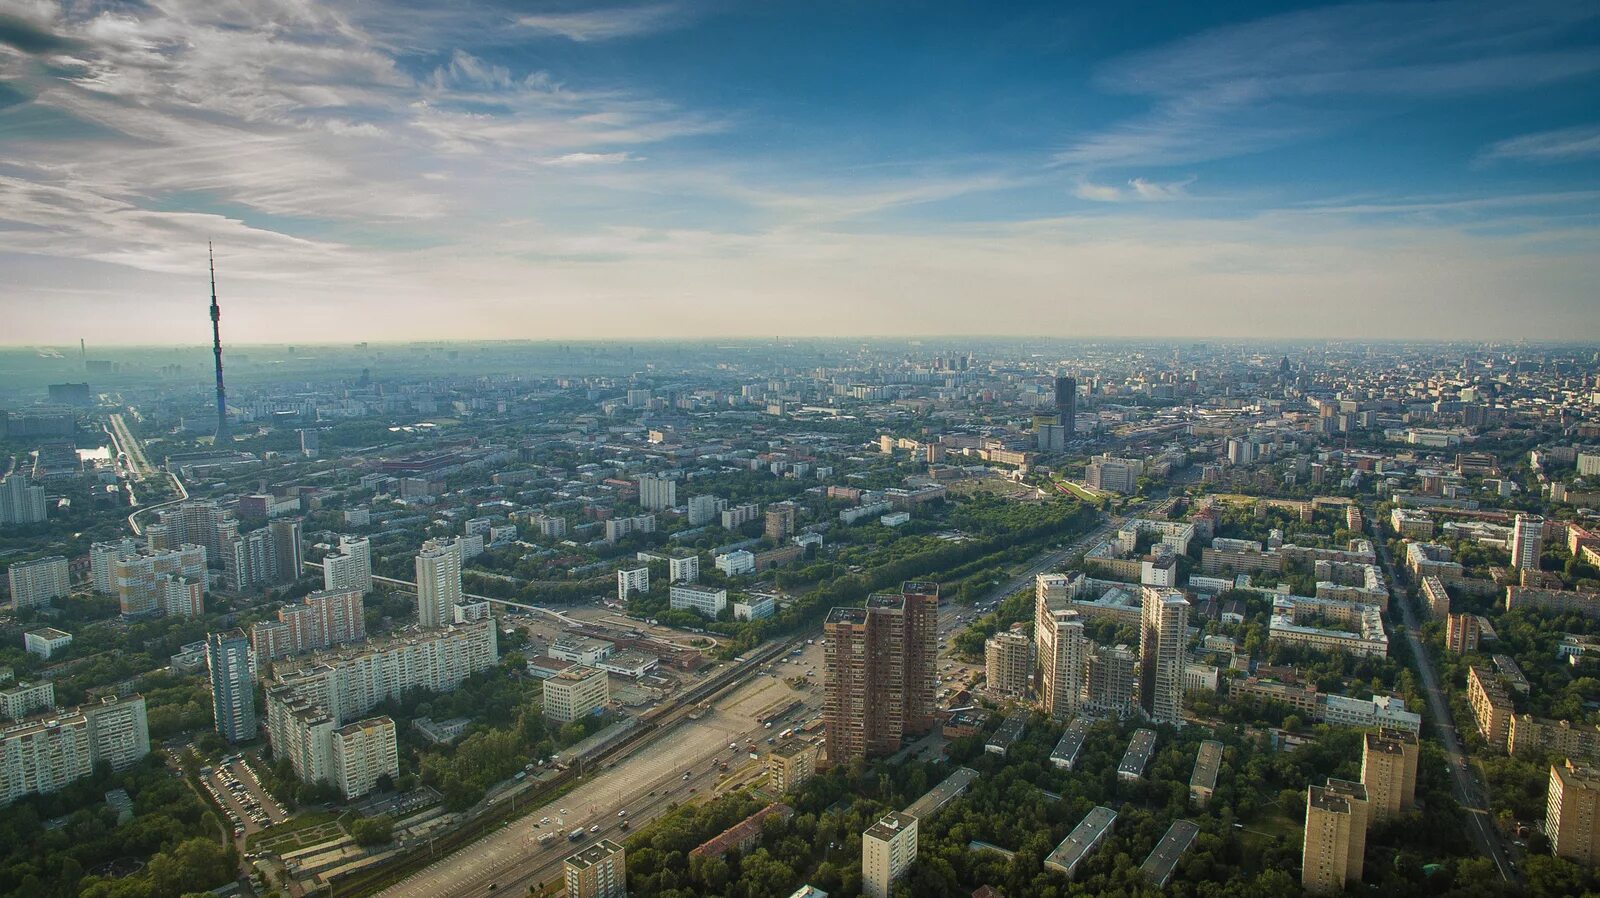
(644, 785)
(1474, 797)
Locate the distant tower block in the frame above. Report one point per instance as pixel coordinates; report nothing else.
(216, 348)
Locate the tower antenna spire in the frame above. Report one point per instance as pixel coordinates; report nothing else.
(216, 348)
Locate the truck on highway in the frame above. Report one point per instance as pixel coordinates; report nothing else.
(575, 835)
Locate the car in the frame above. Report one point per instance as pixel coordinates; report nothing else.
(595, 828)
(686, 773)
(622, 813)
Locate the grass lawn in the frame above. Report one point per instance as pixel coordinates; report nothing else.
(299, 832)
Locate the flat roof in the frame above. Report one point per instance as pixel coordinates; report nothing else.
(847, 616)
(1206, 765)
(1066, 750)
(594, 854)
(1009, 732)
(944, 793)
(892, 824)
(1157, 868)
(1140, 748)
(1082, 840)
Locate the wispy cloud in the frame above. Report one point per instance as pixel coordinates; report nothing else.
(575, 159)
(604, 24)
(1140, 189)
(1243, 88)
(1563, 145)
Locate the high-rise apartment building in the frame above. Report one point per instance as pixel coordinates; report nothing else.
(1163, 636)
(1111, 681)
(1066, 396)
(780, 521)
(137, 577)
(702, 510)
(1063, 654)
(233, 686)
(1389, 771)
(321, 620)
(657, 492)
(102, 560)
(1336, 826)
(856, 683)
(201, 523)
(598, 871)
(350, 566)
(921, 654)
(17, 702)
(1462, 632)
(888, 847)
(21, 502)
(39, 582)
(880, 663)
(351, 682)
(181, 596)
(438, 581)
(47, 752)
(632, 580)
(1572, 813)
(1008, 662)
(249, 560)
(288, 546)
(1527, 542)
(363, 753)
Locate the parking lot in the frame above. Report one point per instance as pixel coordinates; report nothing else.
(247, 805)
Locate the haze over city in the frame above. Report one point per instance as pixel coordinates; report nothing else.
(764, 449)
(394, 171)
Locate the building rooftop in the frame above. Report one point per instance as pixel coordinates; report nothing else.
(1157, 868)
(1207, 763)
(886, 600)
(1321, 798)
(936, 798)
(577, 673)
(594, 854)
(1140, 748)
(1082, 840)
(1010, 731)
(892, 824)
(1066, 751)
(847, 616)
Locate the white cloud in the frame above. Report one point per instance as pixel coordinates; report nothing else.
(1243, 88)
(1156, 191)
(1141, 189)
(1099, 193)
(1564, 145)
(603, 24)
(572, 159)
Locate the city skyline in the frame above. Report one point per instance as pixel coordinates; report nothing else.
(685, 170)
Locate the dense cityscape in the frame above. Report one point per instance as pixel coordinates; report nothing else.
(1017, 617)
(778, 449)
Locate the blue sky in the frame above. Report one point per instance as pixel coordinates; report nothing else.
(375, 171)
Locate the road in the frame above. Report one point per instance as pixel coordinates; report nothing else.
(647, 783)
(1050, 561)
(139, 468)
(644, 785)
(1473, 796)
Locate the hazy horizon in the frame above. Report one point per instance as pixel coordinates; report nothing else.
(700, 169)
